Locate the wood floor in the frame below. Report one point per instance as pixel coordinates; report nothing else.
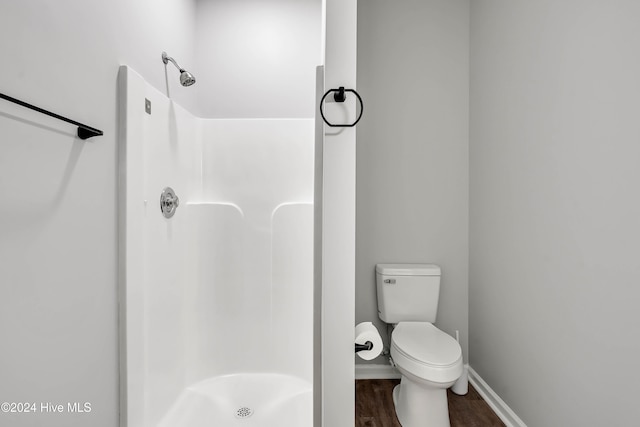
(374, 407)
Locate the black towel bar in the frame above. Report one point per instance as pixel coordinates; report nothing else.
(84, 131)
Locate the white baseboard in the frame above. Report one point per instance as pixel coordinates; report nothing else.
(376, 372)
(498, 405)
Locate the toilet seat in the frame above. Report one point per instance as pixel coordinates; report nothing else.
(426, 352)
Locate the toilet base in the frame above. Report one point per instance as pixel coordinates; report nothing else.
(421, 404)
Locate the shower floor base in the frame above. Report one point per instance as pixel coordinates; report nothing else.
(250, 400)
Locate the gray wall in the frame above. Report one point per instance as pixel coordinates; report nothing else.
(555, 212)
(412, 157)
(58, 216)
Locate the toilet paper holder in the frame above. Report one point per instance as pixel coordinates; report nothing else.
(362, 347)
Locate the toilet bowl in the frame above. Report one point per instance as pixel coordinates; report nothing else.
(430, 361)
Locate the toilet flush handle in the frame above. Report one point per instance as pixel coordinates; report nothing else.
(390, 281)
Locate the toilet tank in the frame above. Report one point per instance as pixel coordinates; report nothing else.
(408, 292)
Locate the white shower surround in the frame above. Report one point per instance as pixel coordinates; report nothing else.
(169, 376)
(218, 300)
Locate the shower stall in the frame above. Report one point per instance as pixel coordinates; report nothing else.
(225, 306)
(235, 233)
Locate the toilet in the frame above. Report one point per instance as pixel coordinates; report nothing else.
(429, 359)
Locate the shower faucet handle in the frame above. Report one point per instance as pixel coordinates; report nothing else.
(169, 202)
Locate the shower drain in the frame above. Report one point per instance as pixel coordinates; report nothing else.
(244, 412)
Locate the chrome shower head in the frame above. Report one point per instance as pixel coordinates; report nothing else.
(186, 78)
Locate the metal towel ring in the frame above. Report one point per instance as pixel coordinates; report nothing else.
(339, 96)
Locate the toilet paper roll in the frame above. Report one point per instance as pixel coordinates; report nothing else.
(365, 331)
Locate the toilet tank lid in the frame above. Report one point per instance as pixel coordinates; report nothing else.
(408, 269)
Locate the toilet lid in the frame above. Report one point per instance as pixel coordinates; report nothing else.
(424, 343)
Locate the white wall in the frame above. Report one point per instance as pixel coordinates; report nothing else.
(412, 161)
(257, 59)
(58, 218)
(337, 220)
(555, 235)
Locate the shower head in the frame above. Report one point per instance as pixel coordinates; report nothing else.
(186, 78)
